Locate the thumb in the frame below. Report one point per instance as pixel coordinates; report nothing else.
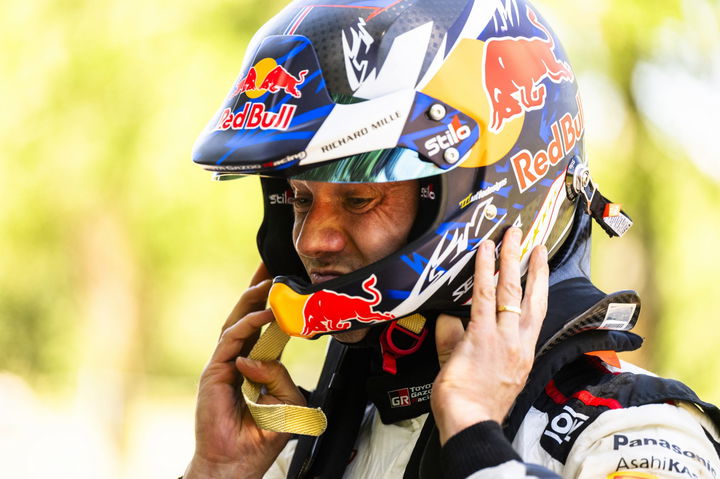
(274, 376)
(448, 333)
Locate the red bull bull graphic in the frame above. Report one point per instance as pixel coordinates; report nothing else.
(272, 78)
(529, 168)
(266, 76)
(327, 311)
(513, 81)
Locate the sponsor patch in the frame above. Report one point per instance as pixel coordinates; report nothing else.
(618, 316)
(658, 462)
(267, 76)
(529, 168)
(514, 71)
(562, 426)
(455, 133)
(255, 115)
(284, 198)
(410, 395)
(360, 133)
(427, 192)
(326, 310)
(472, 197)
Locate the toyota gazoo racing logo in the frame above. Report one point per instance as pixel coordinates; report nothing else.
(327, 311)
(455, 133)
(410, 395)
(266, 76)
(514, 68)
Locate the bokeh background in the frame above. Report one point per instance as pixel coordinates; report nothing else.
(119, 259)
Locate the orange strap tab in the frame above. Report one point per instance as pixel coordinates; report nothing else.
(609, 357)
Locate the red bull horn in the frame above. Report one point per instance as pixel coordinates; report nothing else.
(513, 81)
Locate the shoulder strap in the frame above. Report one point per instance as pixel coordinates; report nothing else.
(341, 394)
(424, 461)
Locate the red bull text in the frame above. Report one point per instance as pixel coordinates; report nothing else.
(254, 115)
(513, 71)
(529, 168)
(327, 311)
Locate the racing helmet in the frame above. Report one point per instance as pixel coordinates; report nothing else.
(475, 99)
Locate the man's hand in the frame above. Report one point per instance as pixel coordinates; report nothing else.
(484, 367)
(228, 443)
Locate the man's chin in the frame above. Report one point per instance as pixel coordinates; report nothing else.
(352, 337)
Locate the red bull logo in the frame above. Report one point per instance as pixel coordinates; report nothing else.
(255, 115)
(514, 69)
(529, 167)
(327, 311)
(267, 76)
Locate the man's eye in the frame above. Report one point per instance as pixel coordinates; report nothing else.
(357, 202)
(300, 202)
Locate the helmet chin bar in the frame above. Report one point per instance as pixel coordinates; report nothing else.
(324, 311)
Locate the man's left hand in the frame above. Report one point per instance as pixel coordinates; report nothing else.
(484, 367)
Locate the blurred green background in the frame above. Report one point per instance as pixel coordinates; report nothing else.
(120, 259)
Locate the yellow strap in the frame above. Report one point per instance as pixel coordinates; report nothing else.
(279, 417)
(286, 417)
(414, 323)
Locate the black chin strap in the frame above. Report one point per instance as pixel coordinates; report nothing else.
(341, 394)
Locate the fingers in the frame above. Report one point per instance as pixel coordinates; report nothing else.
(482, 310)
(534, 304)
(233, 338)
(509, 291)
(448, 333)
(260, 275)
(253, 299)
(274, 376)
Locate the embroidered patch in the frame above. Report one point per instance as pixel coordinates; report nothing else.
(410, 395)
(562, 426)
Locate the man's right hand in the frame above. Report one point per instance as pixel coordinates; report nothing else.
(228, 443)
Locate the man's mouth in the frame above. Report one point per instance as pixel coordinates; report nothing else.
(322, 276)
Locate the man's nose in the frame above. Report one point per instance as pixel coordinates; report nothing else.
(321, 232)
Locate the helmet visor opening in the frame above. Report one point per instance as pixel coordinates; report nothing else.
(379, 166)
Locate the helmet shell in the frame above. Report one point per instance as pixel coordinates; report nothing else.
(511, 113)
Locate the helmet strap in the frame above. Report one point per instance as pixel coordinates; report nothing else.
(403, 369)
(610, 216)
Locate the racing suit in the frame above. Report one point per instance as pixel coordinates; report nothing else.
(582, 414)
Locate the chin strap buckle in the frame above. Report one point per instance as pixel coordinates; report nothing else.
(607, 214)
(412, 326)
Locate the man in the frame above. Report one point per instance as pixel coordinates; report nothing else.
(398, 142)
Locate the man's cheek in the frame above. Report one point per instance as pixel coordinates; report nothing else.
(381, 242)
